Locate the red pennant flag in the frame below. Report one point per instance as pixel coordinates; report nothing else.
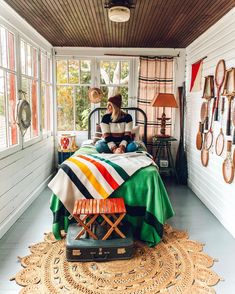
(196, 76)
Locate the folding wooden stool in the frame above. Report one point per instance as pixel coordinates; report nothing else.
(86, 212)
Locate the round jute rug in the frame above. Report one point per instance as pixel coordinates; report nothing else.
(175, 265)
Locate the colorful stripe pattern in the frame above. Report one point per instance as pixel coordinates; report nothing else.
(95, 176)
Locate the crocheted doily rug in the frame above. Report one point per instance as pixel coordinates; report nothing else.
(175, 265)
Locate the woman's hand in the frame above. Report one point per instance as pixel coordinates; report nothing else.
(119, 150)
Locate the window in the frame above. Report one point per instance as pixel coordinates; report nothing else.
(19, 78)
(29, 84)
(46, 92)
(8, 88)
(73, 79)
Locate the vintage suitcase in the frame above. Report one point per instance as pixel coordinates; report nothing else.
(88, 249)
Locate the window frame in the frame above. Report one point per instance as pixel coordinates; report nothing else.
(18, 37)
(95, 79)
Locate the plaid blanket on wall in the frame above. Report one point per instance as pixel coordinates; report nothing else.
(95, 176)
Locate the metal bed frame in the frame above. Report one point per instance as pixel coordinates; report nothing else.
(136, 109)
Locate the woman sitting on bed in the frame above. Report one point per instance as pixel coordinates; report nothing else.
(116, 126)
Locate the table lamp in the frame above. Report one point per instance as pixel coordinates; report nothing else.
(164, 100)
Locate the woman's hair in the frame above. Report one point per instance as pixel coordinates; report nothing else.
(117, 113)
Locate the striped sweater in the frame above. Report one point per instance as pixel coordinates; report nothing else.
(116, 133)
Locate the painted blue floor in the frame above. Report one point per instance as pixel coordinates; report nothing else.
(191, 215)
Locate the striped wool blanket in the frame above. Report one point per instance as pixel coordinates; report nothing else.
(96, 175)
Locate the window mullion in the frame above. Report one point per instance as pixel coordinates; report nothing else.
(54, 94)
(74, 108)
(6, 110)
(19, 79)
(39, 90)
(7, 94)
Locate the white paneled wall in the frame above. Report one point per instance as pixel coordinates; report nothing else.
(207, 182)
(23, 176)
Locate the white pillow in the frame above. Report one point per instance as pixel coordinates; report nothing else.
(136, 133)
(88, 142)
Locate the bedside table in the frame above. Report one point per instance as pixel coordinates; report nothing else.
(163, 156)
(63, 155)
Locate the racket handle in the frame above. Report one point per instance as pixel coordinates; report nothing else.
(229, 146)
(228, 124)
(206, 125)
(234, 136)
(216, 117)
(202, 128)
(228, 128)
(222, 105)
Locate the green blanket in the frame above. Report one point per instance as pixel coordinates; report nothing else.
(146, 200)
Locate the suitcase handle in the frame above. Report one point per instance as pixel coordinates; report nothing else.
(97, 258)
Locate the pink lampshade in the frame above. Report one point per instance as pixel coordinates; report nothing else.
(164, 100)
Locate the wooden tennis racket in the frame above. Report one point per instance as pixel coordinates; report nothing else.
(209, 134)
(204, 156)
(219, 145)
(219, 80)
(204, 153)
(204, 114)
(208, 93)
(199, 137)
(228, 166)
(229, 91)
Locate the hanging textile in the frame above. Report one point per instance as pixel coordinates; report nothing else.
(196, 76)
(155, 76)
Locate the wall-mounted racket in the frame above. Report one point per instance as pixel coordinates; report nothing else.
(208, 93)
(219, 145)
(204, 152)
(204, 156)
(219, 80)
(204, 114)
(229, 91)
(199, 137)
(228, 167)
(209, 134)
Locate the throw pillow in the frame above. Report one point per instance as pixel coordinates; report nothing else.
(135, 133)
(98, 133)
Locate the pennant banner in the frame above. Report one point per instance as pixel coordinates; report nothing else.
(196, 76)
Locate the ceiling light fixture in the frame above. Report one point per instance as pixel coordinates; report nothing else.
(119, 11)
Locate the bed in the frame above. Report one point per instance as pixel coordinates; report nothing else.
(147, 203)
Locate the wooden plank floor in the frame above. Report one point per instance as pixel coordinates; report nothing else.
(191, 215)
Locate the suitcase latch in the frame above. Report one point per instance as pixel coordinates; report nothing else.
(121, 251)
(76, 252)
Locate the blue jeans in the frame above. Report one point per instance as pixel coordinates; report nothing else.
(102, 147)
